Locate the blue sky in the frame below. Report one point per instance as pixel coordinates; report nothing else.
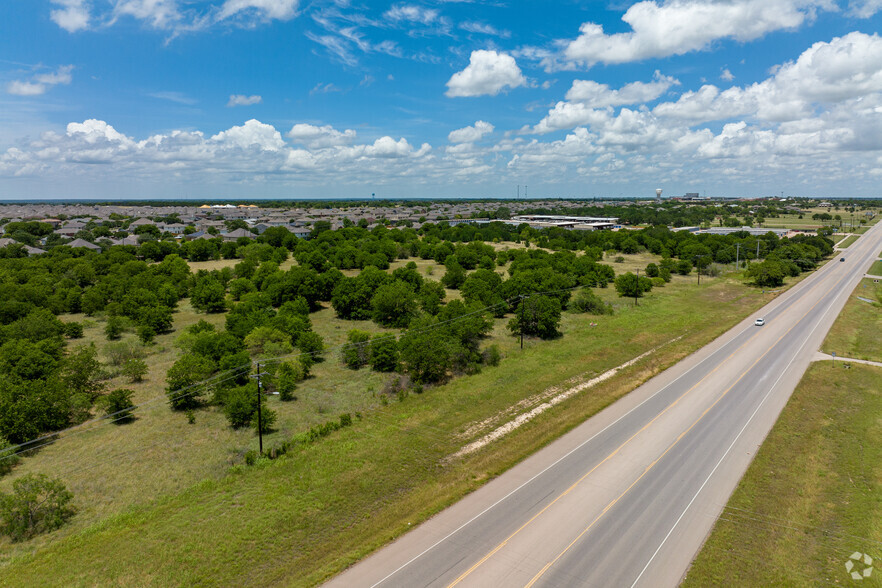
(288, 98)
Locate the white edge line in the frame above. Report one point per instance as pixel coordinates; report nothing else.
(563, 457)
(780, 301)
(759, 406)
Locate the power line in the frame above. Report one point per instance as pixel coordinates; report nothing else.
(231, 373)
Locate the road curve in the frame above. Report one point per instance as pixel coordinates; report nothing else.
(628, 497)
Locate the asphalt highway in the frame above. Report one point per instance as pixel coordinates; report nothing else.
(628, 497)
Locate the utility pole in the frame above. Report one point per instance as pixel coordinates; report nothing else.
(522, 321)
(259, 414)
(698, 268)
(637, 288)
(737, 251)
(757, 249)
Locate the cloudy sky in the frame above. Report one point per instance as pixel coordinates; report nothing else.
(444, 98)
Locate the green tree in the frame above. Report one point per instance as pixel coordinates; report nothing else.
(588, 301)
(36, 505)
(114, 328)
(629, 285)
(240, 404)
(182, 377)
(287, 377)
(384, 353)
(208, 295)
(455, 275)
(8, 456)
(536, 315)
(426, 354)
(83, 373)
(134, 369)
(118, 403)
(356, 352)
(394, 305)
(311, 344)
(767, 274)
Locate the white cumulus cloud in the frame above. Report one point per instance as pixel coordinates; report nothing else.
(487, 73)
(676, 27)
(72, 15)
(242, 100)
(252, 134)
(316, 137)
(470, 134)
(600, 95)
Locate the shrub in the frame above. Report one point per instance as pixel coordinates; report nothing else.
(73, 330)
(384, 353)
(310, 342)
(306, 362)
(120, 352)
(146, 334)
(37, 505)
(588, 301)
(632, 286)
(619, 259)
(267, 419)
(492, 355)
(114, 328)
(8, 457)
(356, 352)
(134, 370)
(119, 403)
(665, 274)
(287, 377)
(652, 270)
(240, 404)
(658, 282)
(182, 378)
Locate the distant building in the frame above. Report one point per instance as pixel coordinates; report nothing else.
(237, 234)
(752, 230)
(83, 243)
(6, 242)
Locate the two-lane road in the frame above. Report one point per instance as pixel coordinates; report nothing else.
(628, 497)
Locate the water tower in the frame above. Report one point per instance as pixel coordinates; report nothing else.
(658, 192)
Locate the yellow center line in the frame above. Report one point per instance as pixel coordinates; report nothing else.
(671, 446)
(480, 562)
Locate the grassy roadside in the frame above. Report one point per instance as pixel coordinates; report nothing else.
(304, 517)
(847, 242)
(812, 496)
(856, 332)
(876, 268)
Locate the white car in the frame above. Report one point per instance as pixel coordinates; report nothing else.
(759, 322)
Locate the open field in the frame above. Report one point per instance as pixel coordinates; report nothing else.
(812, 496)
(837, 237)
(328, 503)
(857, 332)
(876, 268)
